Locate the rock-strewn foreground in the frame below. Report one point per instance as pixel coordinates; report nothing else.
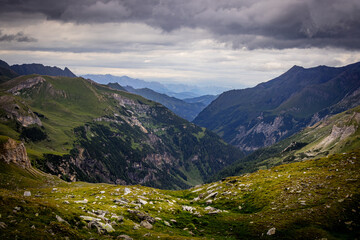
(313, 199)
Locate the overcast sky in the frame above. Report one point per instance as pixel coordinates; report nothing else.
(232, 43)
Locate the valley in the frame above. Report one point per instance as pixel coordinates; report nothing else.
(316, 198)
(81, 160)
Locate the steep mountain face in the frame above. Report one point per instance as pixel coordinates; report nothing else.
(333, 135)
(6, 73)
(80, 130)
(13, 152)
(26, 69)
(181, 108)
(257, 117)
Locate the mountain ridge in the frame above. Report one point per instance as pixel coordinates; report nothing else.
(183, 109)
(37, 68)
(81, 130)
(260, 116)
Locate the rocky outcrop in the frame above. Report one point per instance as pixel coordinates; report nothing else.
(20, 112)
(29, 83)
(14, 152)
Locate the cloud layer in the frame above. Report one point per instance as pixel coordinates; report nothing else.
(278, 24)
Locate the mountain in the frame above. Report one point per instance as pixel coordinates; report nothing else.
(313, 199)
(117, 87)
(181, 108)
(180, 91)
(81, 130)
(257, 117)
(126, 81)
(34, 68)
(6, 73)
(333, 135)
(206, 99)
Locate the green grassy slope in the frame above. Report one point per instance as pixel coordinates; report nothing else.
(81, 130)
(313, 199)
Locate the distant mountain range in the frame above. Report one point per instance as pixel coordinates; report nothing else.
(7, 72)
(186, 109)
(180, 91)
(257, 117)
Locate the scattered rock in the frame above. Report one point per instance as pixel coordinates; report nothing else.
(188, 208)
(102, 192)
(142, 202)
(142, 216)
(136, 227)
(89, 219)
(119, 201)
(118, 218)
(271, 231)
(60, 219)
(66, 202)
(82, 201)
(3, 225)
(127, 191)
(101, 227)
(146, 224)
(27, 194)
(211, 195)
(167, 223)
(124, 237)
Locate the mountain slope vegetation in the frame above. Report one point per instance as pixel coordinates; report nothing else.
(260, 116)
(313, 199)
(80, 130)
(337, 134)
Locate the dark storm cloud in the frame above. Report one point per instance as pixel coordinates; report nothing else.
(18, 37)
(253, 24)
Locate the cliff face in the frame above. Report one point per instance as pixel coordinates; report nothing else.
(257, 117)
(14, 152)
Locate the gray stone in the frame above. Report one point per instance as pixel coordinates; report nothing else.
(82, 201)
(271, 231)
(136, 227)
(127, 191)
(124, 237)
(3, 225)
(211, 195)
(142, 216)
(27, 194)
(188, 208)
(146, 224)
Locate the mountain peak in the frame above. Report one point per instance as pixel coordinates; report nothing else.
(37, 68)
